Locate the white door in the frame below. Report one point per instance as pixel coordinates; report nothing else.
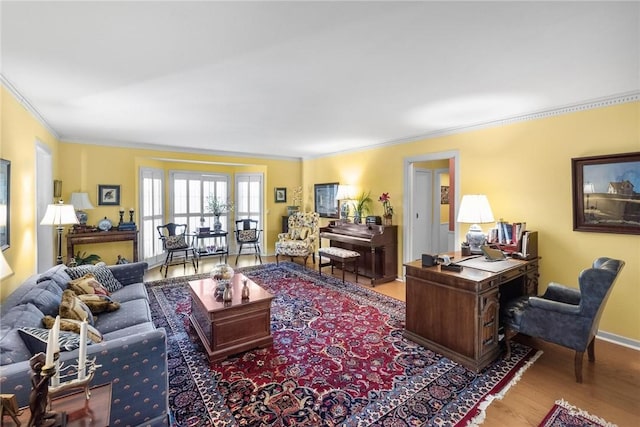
(422, 213)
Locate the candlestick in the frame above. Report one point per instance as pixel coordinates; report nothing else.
(55, 378)
(131, 214)
(82, 353)
(49, 356)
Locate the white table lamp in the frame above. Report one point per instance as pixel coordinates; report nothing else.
(475, 209)
(80, 202)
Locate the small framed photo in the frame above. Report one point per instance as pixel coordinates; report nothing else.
(281, 194)
(444, 194)
(605, 193)
(109, 195)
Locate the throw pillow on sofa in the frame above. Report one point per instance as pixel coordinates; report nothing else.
(36, 339)
(45, 300)
(72, 325)
(100, 272)
(72, 307)
(88, 284)
(99, 303)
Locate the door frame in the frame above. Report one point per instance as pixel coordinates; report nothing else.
(409, 167)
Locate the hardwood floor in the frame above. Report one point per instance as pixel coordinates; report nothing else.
(610, 388)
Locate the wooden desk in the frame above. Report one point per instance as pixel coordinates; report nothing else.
(80, 413)
(102, 237)
(457, 314)
(229, 328)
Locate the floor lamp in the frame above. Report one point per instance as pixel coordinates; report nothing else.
(59, 215)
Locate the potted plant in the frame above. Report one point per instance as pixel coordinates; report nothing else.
(217, 207)
(361, 206)
(385, 199)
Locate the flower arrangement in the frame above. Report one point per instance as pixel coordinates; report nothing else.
(217, 207)
(386, 204)
(296, 196)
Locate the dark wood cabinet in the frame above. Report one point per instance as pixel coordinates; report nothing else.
(457, 314)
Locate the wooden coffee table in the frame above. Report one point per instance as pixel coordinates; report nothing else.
(229, 328)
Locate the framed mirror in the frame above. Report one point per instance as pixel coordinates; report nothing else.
(5, 186)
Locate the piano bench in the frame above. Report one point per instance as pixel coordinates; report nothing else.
(340, 255)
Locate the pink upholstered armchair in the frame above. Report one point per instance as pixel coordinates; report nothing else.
(301, 239)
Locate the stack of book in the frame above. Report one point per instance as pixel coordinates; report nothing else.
(127, 226)
(506, 234)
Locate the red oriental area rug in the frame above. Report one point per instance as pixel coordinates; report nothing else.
(339, 358)
(563, 414)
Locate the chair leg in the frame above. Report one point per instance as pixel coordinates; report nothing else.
(591, 351)
(313, 257)
(508, 334)
(578, 365)
(277, 259)
(239, 252)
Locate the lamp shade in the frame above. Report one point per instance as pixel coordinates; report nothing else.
(5, 270)
(59, 214)
(475, 209)
(345, 192)
(80, 201)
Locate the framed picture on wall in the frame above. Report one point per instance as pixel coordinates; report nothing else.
(109, 195)
(281, 195)
(444, 194)
(326, 203)
(606, 193)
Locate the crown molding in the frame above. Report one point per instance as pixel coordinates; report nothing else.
(27, 105)
(608, 101)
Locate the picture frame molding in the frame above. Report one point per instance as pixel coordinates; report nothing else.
(102, 195)
(591, 201)
(280, 194)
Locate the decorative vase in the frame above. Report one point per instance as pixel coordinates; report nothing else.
(227, 295)
(245, 289)
(357, 218)
(388, 219)
(292, 209)
(217, 225)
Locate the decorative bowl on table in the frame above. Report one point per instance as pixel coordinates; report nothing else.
(222, 274)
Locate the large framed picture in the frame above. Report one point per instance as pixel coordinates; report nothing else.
(326, 203)
(5, 206)
(606, 193)
(109, 195)
(280, 195)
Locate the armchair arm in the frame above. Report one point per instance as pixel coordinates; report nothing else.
(558, 307)
(283, 236)
(562, 293)
(129, 273)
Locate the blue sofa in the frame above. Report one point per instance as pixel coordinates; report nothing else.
(133, 352)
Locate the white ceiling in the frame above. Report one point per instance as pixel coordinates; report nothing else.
(302, 79)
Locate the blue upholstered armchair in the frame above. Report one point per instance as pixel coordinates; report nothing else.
(563, 315)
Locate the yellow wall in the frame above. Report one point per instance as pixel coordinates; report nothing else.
(525, 170)
(83, 167)
(19, 133)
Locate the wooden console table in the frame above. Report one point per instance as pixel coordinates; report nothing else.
(457, 313)
(102, 237)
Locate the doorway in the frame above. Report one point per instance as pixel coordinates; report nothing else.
(419, 202)
(43, 196)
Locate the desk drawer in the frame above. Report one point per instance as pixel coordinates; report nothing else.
(512, 274)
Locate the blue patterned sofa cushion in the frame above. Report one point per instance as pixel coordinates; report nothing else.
(47, 302)
(36, 339)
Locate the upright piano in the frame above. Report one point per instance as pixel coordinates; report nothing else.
(377, 245)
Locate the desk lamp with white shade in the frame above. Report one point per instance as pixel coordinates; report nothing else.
(475, 210)
(81, 202)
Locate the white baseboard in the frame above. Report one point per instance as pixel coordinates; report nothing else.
(618, 339)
